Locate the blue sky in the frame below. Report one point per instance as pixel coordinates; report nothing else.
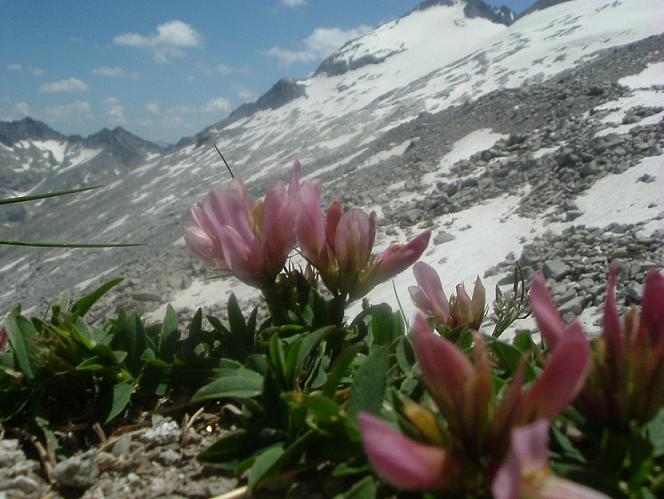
(166, 69)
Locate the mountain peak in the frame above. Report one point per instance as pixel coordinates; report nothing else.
(119, 139)
(477, 8)
(26, 129)
(281, 93)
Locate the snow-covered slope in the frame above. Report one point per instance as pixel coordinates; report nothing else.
(388, 122)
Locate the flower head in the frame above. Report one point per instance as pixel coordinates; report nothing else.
(461, 310)
(627, 373)
(402, 462)
(250, 238)
(526, 472)
(475, 438)
(339, 245)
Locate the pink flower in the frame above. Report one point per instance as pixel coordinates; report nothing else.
(479, 420)
(463, 391)
(3, 338)
(526, 473)
(428, 295)
(551, 326)
(402, 462)
(251, 239)
(430, 298)
(339, 245)
(627, 369)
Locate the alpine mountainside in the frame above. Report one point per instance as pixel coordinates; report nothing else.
(536, 139)
(34, 156)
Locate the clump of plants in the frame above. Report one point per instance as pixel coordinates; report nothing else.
(439, 409)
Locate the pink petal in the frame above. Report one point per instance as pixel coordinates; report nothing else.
(3, 338)
(507, 481)
(351, 244)
(461, 306)
(530, 444)
(616, 349)
(445, 368)
(334, 213)
(546, 313)
(245, 257)
(296, 175)
(402, 462)
(395, 259)
(652, 307)
(278, 228)
(420, 299)
(562, 378)
(554, 487)
(427, 279)
(479, 301)
(309, 223)
(200, 243)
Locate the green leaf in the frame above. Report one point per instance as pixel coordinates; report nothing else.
(340, 367)
(82, 306)
(20, 333)
(277, 358)
(655, 432)
(237, 444)
(243, 384)
(385, 325)
(169, 335)
(120, 397)
(364, 489)
(300, 350)
(370, 383)
(276, 458)
(37, 244)
(509, 356)
(46, 195)
(238, 325)
(264, 464)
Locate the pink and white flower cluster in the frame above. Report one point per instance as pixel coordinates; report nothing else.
(253, 239)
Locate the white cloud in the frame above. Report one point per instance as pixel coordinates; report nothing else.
(319, 44)
(246, 94)
(21, 109)
(68, 85)
(15, 67)
(115, 72)
(114, 110)
(153, 107)
(293, 3)
(37, 71)
(76, 111)
(222, 69)
(16, 111)
(173, 122)
(218, 105)
(167, 42)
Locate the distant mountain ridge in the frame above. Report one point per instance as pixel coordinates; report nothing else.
(32, 154)
(28, 128)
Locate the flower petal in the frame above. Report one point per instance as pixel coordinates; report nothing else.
(445, 368)
(612, 336)
(652, 307)
(402, 462)
(562, 378)
(309, 223)
(546, 313)
(429, 281)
